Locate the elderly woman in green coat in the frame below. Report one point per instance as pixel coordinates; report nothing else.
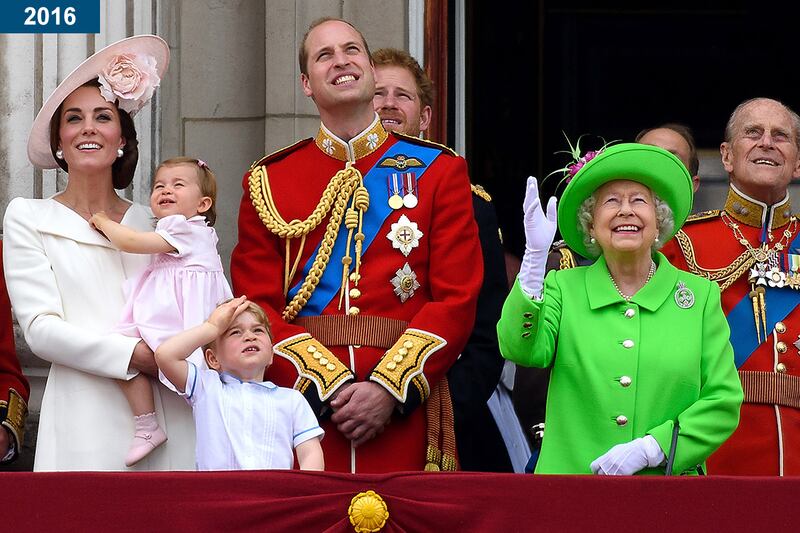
(637, 347)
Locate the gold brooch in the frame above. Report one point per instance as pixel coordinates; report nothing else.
(368, 512)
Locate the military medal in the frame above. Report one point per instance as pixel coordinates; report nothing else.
(405, 283)
(405, 235)
(684, 296)
(394, 184)
(410, 187)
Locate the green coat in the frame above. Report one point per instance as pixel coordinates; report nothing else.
(618, 376)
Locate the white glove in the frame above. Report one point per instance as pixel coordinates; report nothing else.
(627, 459)
(539, 233)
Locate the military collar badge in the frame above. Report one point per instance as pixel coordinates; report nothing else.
(405, 235)
(684, 296)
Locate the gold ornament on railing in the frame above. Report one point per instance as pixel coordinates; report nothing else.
(368, 512)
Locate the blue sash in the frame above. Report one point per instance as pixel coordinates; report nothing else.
(375, 181)
(780, 302)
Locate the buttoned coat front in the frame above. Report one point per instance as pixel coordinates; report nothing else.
(65, 283)
(622, 370)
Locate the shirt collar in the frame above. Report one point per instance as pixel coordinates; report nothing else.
(359, 146)
(601, 290)
(230, 379)
(751, 212)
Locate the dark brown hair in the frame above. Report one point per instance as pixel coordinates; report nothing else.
(123, 168)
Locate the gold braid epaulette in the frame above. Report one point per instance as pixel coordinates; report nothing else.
(340, 188)
(425, 142)
(480, 192)
(724, 277)
(567, 259)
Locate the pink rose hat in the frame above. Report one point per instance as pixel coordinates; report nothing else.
(128, 71)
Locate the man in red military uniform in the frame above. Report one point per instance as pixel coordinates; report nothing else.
(14, 388)
(751, 248)
(361, 246)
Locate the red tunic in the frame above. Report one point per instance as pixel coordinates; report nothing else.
(767, 441)
(14, 387)
(440, 313)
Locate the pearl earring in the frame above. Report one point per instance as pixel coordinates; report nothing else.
(59, 154)
(120, 153)
(592, 240)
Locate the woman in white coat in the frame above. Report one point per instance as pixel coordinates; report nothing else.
(65, 279)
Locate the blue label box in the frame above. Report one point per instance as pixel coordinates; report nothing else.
(49, 16)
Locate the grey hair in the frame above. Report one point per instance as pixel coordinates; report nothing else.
(730, 127)
(665, 223)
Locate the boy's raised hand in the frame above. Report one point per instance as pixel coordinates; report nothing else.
(226, 313)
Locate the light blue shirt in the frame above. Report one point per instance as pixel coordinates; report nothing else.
(245, 425)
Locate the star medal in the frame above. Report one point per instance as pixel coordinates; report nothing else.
(394, 184)
(405, 283)
(410, 199)
(405, 235)
(684, 296)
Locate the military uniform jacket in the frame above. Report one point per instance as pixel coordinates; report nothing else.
(405, 322)
(14, 387)
(767, 441)
(622, 370)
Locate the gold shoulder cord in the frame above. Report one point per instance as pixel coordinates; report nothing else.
(567, 259)
(343, 185)
(724, 277)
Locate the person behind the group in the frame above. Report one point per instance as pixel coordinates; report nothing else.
(372, 242)
(183, 284)
(750, 248)
(66, 280)
(14, 387)
(242, 421)
(403, 101)
(639, 349)
(676, 139)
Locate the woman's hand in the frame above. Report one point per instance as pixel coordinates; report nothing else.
(143, 359)
(628, 458)
(540, 229)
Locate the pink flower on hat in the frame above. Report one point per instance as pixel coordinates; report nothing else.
(131, 79)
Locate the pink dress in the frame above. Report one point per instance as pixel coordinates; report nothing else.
(179, 290)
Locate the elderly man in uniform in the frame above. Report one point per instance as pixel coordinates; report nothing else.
(752, 250)
(403, 101)
(361, 246)
(14, 387)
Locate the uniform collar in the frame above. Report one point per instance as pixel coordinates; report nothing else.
(359, 146)
(230, 379)
(601, 291)
(751, 212)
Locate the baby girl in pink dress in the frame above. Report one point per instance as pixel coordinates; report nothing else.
(184, 283)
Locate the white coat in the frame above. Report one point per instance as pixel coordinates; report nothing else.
(65, 283)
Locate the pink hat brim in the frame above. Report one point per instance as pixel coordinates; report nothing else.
(39, 151)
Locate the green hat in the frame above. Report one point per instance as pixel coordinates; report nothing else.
(653, 167)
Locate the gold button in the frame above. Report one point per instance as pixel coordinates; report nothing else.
(625, 381)
(780, 327)
(781, 347)
(780, 368)
(353, 310)
(402, 351)
(331, 367)
(621, 420)
(408, 344)
(355, 293)
(311, 349)
(526, 325)
(627, 343)
(316, 355)
(526, 334)
(391, 365)
(323, 361)
(527, 315)
(397, 358)
(629, 313)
